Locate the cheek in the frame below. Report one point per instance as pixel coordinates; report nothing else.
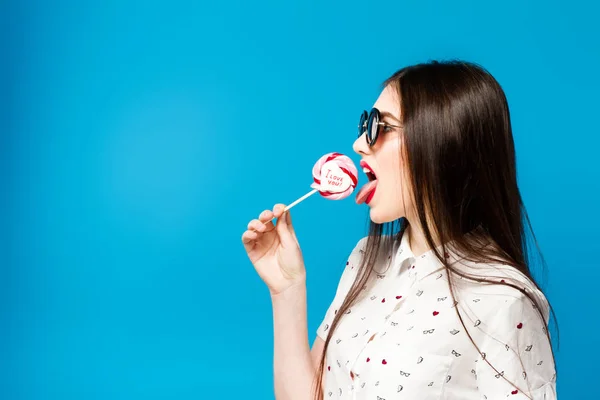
(388, 155)
(394, 166)
(398, 182)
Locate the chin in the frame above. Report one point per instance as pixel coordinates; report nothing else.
(380, 215)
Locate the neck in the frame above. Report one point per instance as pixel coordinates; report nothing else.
(418, 243)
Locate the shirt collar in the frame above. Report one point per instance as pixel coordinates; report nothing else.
(421, 266)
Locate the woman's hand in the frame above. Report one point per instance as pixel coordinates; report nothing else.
(274, 250)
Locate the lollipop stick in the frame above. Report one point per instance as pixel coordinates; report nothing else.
(307, 195)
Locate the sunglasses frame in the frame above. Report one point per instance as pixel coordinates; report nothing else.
(365, 125)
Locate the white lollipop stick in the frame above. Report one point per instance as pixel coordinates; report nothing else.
(306, 196)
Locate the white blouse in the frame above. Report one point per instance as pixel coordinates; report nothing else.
(404, 340)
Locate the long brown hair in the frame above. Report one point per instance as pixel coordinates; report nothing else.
(461, 163)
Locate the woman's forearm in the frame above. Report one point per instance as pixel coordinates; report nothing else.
(293, 369)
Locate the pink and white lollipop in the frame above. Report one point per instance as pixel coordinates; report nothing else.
(335, 176)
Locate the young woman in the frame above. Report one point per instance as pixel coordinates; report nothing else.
(438, 301)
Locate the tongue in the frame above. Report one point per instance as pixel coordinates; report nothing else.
(364, 191)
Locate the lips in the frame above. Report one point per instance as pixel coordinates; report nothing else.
(368, 170)
(366, 193)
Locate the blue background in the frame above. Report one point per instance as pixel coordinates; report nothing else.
(138, 138)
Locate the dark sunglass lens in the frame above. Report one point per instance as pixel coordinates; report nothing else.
(373, 127)
(361, 124)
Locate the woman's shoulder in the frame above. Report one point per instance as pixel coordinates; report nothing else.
(499, 287)
(361, 244)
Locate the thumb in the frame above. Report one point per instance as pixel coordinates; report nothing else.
(288, 220)
(284, 231)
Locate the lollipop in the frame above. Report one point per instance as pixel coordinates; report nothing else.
(335, 177)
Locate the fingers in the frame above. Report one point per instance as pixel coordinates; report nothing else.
(255, 229)
(256, 225)
(265, 216)
(249, 236)
(278, 210)
(264, 224)
(249, 240)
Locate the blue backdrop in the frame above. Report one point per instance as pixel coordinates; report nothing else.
(138, 138)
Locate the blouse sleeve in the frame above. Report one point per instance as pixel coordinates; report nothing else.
(519, 350)
(344, 285)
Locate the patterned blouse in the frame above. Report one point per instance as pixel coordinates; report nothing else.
(403, 339)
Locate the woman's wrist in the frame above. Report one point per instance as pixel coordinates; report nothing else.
(298, 288)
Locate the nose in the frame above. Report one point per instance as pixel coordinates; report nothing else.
(360, 145)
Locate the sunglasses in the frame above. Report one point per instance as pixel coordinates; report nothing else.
(370, 123)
